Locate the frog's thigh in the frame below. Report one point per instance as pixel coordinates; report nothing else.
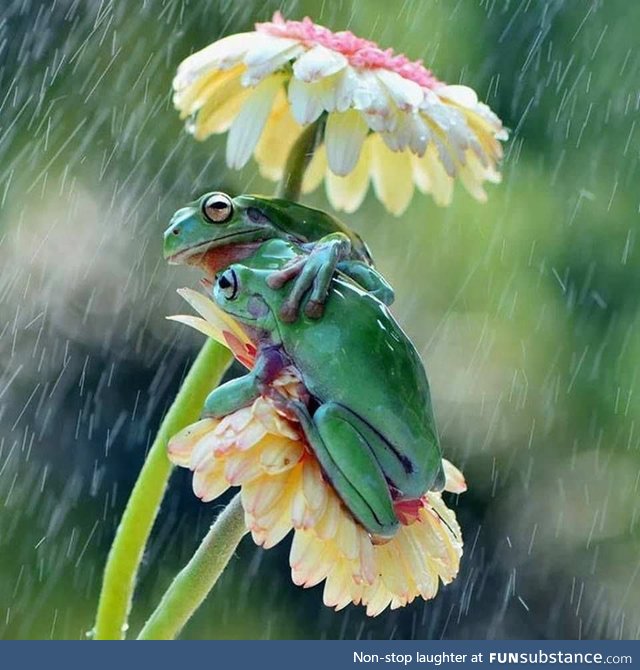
(343, 487)
(398, 470)
(353, 458)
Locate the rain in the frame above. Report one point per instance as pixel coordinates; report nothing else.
(524, 309)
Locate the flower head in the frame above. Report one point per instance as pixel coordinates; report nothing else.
(388, 119)
(283, 489)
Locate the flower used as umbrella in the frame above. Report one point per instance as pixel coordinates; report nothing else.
(283, 489)
(388, 119)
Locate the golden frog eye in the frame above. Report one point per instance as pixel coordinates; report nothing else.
(217, 208)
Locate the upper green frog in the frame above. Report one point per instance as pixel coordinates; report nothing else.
(370, 420)
(217, 230)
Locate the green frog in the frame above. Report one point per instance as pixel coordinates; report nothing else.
(217, 230)
(369, 416)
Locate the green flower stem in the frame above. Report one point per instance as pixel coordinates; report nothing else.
(143, 506)
(298, 160)
(189, 589)
(198, 577)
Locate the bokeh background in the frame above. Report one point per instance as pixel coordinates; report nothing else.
(525, 310)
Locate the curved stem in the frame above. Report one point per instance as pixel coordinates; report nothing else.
(141, 511)
(192, 584)
(298, 160)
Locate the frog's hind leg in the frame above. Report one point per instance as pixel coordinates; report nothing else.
(350, 466)
(409, 480)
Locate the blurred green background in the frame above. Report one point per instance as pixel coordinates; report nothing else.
(525, 310)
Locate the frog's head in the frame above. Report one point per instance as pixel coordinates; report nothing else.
(243, 292)
(198, 232)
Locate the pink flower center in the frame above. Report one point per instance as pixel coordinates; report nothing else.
(360, 53)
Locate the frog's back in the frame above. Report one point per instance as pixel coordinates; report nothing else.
(306, 224)
(358, 356)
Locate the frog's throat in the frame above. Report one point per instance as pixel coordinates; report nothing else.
(217, 258)
(197, 250)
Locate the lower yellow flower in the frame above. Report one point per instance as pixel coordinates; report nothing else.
(283, 488)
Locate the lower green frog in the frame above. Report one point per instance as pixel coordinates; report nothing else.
(369, 419)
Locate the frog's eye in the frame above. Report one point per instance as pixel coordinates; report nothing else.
(217, 208)
(228, 284)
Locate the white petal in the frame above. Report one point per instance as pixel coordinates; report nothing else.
(305, 100)
(246, 128)
(410, 131)
(405, 93)
(369, 95)
(317, 63)
(338, 90)
(344, 135)
(461, 95)
(267, 55)
(220, 55)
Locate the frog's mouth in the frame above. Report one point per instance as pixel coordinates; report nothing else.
(211, 257)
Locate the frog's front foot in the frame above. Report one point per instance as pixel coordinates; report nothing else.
(313, 274)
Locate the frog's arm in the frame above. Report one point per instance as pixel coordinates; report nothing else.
(241, 392)
(313, 272)
(369, 279)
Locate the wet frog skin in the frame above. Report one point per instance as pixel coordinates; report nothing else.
(370, 420)
(217, 230)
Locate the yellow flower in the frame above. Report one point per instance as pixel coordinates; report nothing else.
(282, 489)
(389, 120)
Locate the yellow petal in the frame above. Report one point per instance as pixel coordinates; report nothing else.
(377, 598)
(425, 578)
(310, 559)
(429, 171)
(366, 558)
(276, 531)
(278, 136)
(391, 569)
(347, 193)
(181, 445)
(241, 467)
(338, 587)
(346, 536)
(279, 454)
(202, 326)
(315, 171)
(454, 479)
(314, 487)
(264, 412)
(392, 176)
(327, 527)
(210, 311)
(209, 481)
(213, 90)
(261, 494)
